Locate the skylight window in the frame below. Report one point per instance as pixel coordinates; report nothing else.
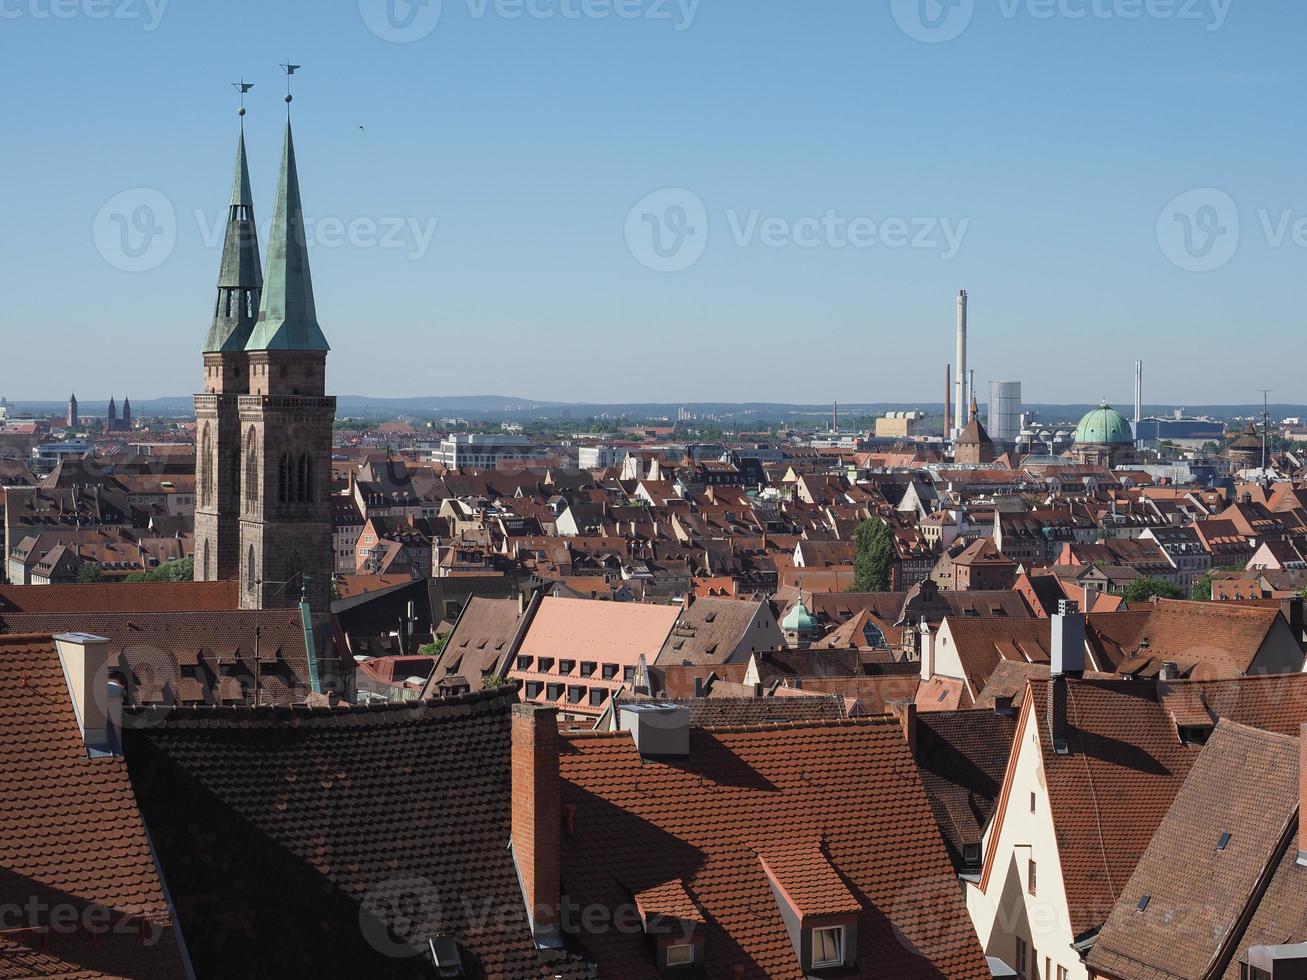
(1223, 843)
(1143, 903)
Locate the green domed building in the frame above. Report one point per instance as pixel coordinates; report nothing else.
(1105, 438)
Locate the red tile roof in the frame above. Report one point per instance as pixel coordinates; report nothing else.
(827, 789)
(121, 597)
(292, 838)
(1110, 792)
(72, 836)
(1245, 784)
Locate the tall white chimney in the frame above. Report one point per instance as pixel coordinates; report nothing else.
(1139, 394)
(960, 407)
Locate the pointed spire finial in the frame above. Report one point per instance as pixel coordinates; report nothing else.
(242, 87)
(290, 70)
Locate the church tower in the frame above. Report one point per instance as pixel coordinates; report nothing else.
(286, 425)
(74, 419)
(226, 379)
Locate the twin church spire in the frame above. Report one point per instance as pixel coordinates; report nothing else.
(276, 312)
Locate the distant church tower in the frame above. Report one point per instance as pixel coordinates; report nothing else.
(226, 379)
(74, 420)
(127, 415)
(111, 423)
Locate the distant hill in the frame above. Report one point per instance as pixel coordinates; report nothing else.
(503, 407)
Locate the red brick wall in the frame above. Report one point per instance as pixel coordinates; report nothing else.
(537, 816)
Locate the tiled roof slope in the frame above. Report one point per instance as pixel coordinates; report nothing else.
(1110, 792)
(1245, 783)
(71, 836)
(165, 658)
(962, 757)
(846, 790)
(479, 643)
(289, 837)
(1274, 703)
(121, 597)
(1218, 638)
(728, 712)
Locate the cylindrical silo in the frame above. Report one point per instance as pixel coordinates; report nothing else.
(1004, 423)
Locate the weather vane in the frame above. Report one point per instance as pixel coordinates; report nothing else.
(242, 87)
(289, 70)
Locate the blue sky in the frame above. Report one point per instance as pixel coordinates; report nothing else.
(473, 234)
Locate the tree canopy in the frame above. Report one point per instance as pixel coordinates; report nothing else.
(875, 557)
(1144, 589)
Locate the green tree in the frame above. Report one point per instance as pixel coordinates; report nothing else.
(181, 570)
(1143, 589)
(434, 649)
(88, 574)
(875, 557)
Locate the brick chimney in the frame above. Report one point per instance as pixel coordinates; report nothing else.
(1302, 796)
(1292, 610)
(537, 818)
(1057, 722)
(908, 719)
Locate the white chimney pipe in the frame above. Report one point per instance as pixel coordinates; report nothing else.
(960, 408)
(1139, 394)
(927, 651)
(85, 660)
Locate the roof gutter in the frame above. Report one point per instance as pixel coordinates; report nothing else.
(310, 648)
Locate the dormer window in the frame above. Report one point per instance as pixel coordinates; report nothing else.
(827, 947)
(682, 954)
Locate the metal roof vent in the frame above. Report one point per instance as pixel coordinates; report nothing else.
(660, 730)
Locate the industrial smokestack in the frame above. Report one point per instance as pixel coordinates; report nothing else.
(948, 398)
(960, 406)
(1139, 394)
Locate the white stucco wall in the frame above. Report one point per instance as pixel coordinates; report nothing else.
(1003, 909)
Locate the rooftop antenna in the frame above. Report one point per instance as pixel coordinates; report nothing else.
(1266, 425)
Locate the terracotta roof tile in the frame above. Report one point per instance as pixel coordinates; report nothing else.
(293, 837)
(745, 793)
(72, 837)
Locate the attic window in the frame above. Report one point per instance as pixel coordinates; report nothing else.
(682, 954)
(1143, 903)
(1223, 843)
(828, 947)
(445, 954)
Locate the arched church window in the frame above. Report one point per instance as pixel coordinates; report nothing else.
(252, 468)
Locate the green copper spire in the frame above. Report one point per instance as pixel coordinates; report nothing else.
(288, 319)
(240, 278)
